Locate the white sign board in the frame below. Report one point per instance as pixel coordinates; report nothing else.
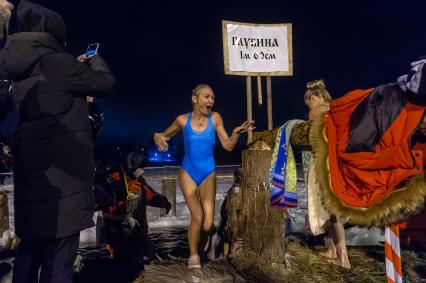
(257, 50)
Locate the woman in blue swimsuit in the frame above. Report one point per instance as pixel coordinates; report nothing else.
(197, 177)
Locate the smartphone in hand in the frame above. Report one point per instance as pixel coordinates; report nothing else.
(92, 50)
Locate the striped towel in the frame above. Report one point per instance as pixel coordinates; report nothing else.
(282, 173)
(393, 254)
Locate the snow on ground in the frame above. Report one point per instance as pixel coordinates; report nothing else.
(354, 235)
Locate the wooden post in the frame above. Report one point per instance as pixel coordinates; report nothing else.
(234, 208)
(249, 107)
(169, 191)
(4, 213)
(269, 102)
(263, 226)
(259, 91)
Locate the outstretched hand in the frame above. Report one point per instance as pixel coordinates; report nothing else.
(167, 207)
(245, 127)
(161, 142)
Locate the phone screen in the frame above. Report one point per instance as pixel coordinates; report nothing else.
(92, 49)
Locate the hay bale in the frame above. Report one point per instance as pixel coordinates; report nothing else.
(304, 265)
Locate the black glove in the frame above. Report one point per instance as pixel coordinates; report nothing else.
(167, 206)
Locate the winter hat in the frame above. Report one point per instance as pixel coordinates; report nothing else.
(135, 160)
(36, 18)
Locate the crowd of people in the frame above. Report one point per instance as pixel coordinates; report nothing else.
(55, 189)
(58, 188)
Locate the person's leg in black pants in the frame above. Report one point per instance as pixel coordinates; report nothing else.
(58, 260)
(55, 257)
(27, 261)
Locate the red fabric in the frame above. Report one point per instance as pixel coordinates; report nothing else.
(362, 179)
(113, 209)
(116, 176)
(149, 194)
(415, 227)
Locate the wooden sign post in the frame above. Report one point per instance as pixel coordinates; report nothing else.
(249, 107)
(260, 51)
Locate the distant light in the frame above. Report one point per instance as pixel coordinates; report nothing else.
(155, 156)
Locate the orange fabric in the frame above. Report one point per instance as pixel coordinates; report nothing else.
(362, 179)
(134, 185)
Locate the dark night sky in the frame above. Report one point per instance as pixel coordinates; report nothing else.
(160, 50)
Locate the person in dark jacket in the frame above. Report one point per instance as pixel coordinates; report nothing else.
(125, 223)
(54, 164)
(136, 162)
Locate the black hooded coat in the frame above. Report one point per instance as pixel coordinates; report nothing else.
(53, 152)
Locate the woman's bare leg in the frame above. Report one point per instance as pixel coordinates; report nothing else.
(337, 251)
(337, 233)
(208, 201)
(331, 251)
(190, 192)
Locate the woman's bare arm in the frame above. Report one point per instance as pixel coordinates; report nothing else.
(229, 142)
(161, 139)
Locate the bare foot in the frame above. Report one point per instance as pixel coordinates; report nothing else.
(330, 252)
(342, 261)
(194, 262)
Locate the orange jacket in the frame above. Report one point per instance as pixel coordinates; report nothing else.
(362, 179)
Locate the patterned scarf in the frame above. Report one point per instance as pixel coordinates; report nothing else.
(282, 173)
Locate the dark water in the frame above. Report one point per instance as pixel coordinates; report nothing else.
(170, 241)
(95, 265)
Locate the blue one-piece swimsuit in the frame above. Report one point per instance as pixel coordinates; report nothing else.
(199, 145)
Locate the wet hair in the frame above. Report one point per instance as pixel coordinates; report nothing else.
(196, 90)
(317, 88)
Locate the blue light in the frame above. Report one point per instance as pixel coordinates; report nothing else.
(161, 157)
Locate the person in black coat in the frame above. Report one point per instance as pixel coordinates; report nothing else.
(54, 164)
(135, 163)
